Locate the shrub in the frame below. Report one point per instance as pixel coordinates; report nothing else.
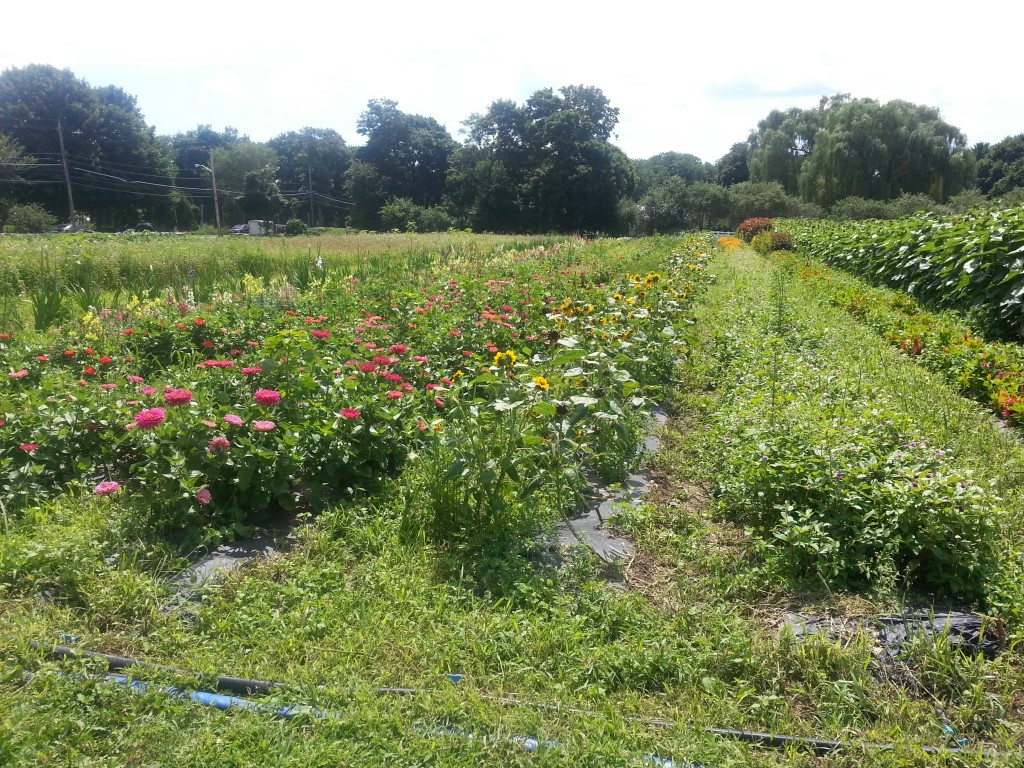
(752, 227)
(31, 218)
(766, 242)
(859, 208)
(295, 227)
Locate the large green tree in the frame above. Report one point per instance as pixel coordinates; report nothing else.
(119, 169)
(860, 147)
(546, 165)
(660, 168)
(189, 151)
(233, 164)
(405, 156)
(1002, 167)
(14, 164)
(311, 170)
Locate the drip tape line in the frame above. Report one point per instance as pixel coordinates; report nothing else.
(247, 687)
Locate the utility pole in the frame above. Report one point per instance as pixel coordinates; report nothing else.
(67, 178)
(309, 181)
(213, 177)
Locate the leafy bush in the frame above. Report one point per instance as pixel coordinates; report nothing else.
(31, 218)
(295, 227)
(766, 242)
(752, 227)
(871, 507)
(859, 208)
(403, 215)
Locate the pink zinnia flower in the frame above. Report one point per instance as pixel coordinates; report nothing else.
(383, 360)
(398, 349)
(252, 371)
(267, 396)
(420, 358)
(135, 379)
(219, 445)
(19, 374)
(108, 386)
(147, 390)
(367, 367)
(263, 426)
(177, 396)
(233, 420)
(204, 497)
(439, 402)
(320, 334)
(150, 418)
(106, 488)
(394, 394)
(350, 413)
(28, 447)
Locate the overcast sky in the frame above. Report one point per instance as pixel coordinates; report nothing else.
(686, 78)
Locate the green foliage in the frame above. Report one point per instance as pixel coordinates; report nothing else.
(295, 227)
(403, 215)
(314, 160)
(766, 242)
(855, 208)
(1002, 167)
(546, 165)
(816, 459)
(405, 156)
(861, 148)
(102, 127)
(761, 200)
(658, 169)
(30, 217)
(969, 262)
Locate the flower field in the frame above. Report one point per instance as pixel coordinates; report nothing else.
(415, 427)
(217, 412)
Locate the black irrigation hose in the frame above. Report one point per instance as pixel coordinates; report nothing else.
(775, 741)
(222, 683)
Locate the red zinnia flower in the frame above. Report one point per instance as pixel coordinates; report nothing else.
(28, 447)
(350, 413)
(219, 444)
(150, 418)
(267, 396)
(177, 396)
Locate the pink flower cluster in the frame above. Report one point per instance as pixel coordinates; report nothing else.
(267, 396)
(177, 396)
(150, 418)
(106, 488)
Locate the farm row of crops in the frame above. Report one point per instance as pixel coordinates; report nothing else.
(973, 263)
(213, 412)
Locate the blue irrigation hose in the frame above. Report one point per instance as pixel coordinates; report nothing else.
(247, 687)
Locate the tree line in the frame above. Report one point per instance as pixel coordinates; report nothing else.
(545, 165)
